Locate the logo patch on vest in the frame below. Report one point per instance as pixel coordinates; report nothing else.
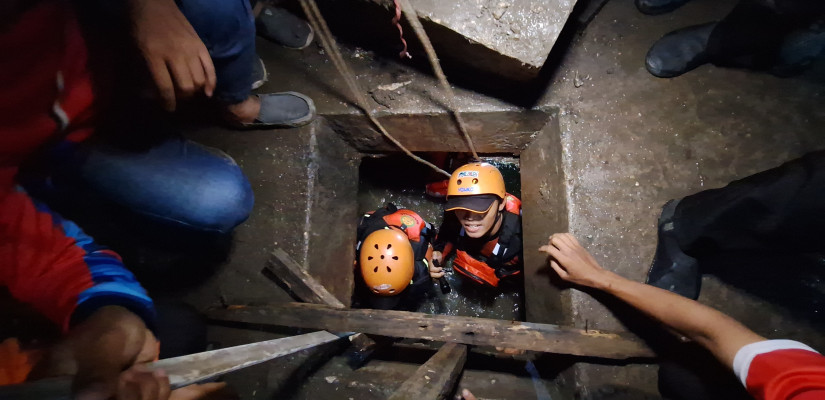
(407, 221)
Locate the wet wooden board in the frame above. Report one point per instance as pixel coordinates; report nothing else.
(468, 330)
(303, 285)
(435, 379)
(307, 289)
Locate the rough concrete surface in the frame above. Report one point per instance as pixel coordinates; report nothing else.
(629, 143)
(394, 86)
(282, 166)
(545, 209)
(380, 378)
(520, 33)
(632, 141)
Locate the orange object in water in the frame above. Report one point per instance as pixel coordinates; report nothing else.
(512, 204)
(437, 189)
(15, 363)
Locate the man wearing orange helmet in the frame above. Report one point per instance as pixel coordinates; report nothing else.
(482, 225)
(393, 256)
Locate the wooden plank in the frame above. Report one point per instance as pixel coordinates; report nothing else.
(488, 351)
(303, 285)
(468, 330)
(435, 379)
(299, 281)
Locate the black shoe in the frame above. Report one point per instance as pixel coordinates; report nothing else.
(656, 7)
(679, 51)
(800, 49)
(672, 269)
(280, 26)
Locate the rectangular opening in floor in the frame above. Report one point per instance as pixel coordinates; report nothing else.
(399, 180)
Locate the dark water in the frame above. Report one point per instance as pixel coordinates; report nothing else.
(398, 179)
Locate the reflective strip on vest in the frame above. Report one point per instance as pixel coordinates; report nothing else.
(474, 269)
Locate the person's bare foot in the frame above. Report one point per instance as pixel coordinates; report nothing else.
(244, 112)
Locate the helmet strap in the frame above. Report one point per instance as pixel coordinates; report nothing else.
(498, 218)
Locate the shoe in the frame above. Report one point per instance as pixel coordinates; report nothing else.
(799, 50)
(656, 7)
(259, 74)
(672, 269)
(679, 51)
(279, 26)
(283, 110)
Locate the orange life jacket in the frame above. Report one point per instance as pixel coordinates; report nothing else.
(499, 257)
(409, 221)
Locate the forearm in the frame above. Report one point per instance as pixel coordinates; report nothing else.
(100, 347)
(717, 332)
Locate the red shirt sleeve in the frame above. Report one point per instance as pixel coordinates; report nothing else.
(781, 370)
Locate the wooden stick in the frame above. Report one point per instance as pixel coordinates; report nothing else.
(301, 283)
(307, 289)
(435, 379)
(468, 330)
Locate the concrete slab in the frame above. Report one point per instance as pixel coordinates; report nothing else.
(545, 210)
(505, 39)
(395, 86)
(510, 38)
(491, 132)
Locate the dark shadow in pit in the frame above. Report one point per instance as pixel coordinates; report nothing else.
(795, 282)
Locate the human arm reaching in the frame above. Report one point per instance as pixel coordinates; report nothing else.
(176, 57)
(717, 332)
(106, 354)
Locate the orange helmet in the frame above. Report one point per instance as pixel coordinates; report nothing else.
(474, 179)
(387, 262)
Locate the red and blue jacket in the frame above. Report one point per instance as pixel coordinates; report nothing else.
(46, 98)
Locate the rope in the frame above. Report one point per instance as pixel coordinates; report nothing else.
(397, 21)
(412, 18)
(319, 24)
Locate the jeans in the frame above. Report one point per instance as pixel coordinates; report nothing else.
(227, 28)
(176, 181)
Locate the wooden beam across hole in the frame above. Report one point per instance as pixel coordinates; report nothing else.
(435, 379)
(467, 330)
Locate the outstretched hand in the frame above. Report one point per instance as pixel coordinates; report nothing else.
(436, 271)
(573, 263)
(177, 58)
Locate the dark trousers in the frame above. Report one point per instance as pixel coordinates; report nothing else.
(764, 234)
(751, 35)
(778, 211)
